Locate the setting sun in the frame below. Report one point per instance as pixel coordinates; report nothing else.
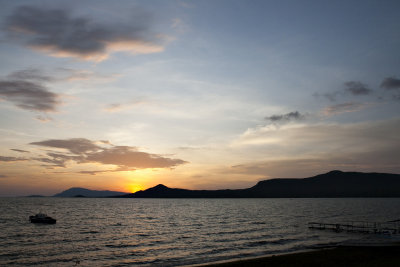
(134, 188)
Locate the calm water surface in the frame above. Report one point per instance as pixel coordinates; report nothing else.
(173, 232)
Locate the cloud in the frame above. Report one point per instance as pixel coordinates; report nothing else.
(119, 169)
(390, 83)
(331, 96)
(19, 150)
(350, 88)
(81, 150)
(11, 159)
(369, 161)
(317, 139)
(291, 116)
(72, 75)
(61, 74)
(59, 33)
(52, 161)
(30, 74)
(29, 95)
(130, 157)
(58, 159)
(117, 107)
(77, 146)
(26, 90)
(94, 172)
(3, 176)
(356, 88)
(43, 118)
(343, 108)
(311, 149)
(393, 85)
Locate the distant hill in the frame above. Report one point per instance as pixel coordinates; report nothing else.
(331, 184)
(83, 192)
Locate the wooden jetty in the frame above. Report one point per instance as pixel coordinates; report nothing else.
(359, 227)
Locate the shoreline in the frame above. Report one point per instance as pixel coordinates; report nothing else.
(342, 255)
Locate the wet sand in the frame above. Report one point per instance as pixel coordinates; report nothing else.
(381, 256)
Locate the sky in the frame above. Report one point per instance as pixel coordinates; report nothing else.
(125, 95)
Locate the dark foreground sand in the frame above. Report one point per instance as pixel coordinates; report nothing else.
(365, 256)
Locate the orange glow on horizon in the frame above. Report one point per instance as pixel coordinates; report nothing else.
(134, 188)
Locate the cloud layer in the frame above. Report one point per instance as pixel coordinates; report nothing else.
(26, 90)
(11, 159)
(19, 150)
(81, 150)
(76, 146)
(343, 108)
(308, 149)
(297, 140)
(59, 33)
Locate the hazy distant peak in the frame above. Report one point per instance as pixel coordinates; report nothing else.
(77, 188)
(79, 191)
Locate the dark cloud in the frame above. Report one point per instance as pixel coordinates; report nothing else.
(3, 176)
(350, 88)
(126, 158)
(11, 159)
(52, 161)
(58, 32)
(291, 116)
(75, 145)
(390, 83)
(58, 159)
(356, 88)
(19, 150)
(29, 94)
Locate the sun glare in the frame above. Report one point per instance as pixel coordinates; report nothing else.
(134, 188)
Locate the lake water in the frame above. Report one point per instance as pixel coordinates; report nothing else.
(174, 232)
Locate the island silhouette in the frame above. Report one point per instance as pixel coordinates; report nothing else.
(84, 192)
(333, 184)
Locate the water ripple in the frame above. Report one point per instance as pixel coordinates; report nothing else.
(171, 232)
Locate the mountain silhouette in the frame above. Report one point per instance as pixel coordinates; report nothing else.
(83, 192)
(331, 184)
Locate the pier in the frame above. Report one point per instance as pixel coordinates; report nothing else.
(359, 227)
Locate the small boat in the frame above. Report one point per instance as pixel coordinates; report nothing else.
(42, 218)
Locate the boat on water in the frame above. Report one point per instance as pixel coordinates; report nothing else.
(42, 218)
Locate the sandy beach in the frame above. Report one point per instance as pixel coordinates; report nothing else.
(339, 256)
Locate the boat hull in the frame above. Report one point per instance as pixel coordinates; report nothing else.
(48, 220)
